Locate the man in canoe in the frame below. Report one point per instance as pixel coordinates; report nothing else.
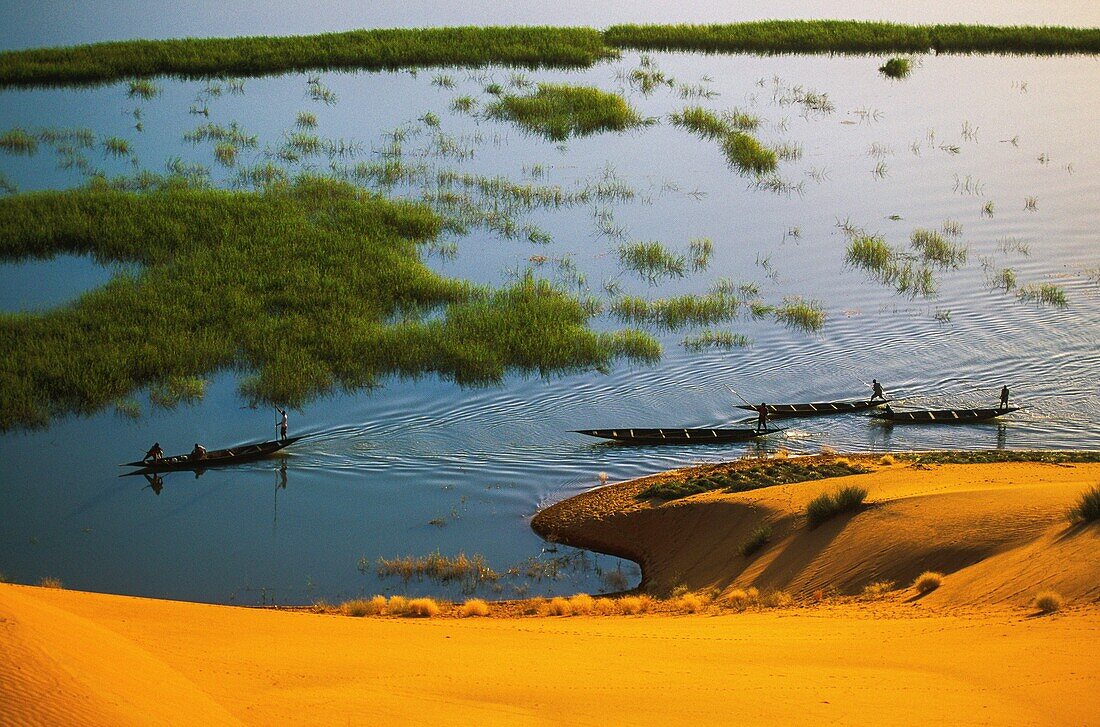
(282, 422)
(199, 452)
(761, 417)
(1004, 397)
(154, 454)
(876, 390)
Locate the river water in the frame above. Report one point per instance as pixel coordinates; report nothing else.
(416, 467)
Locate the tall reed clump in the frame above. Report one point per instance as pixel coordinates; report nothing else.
(379, 49)
(828, 505)
(559, 111)
(303, 289)
(1087, 507)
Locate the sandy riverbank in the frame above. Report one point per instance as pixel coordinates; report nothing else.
(969, 653)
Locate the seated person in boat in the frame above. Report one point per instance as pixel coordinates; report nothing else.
(761, 417)
(199, 452)
(154, 453)
(876, 390)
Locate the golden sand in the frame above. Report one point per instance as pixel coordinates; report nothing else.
(969, 653)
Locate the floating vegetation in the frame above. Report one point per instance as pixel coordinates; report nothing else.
(810, 100)
(306, 120)
(18, 141)
(226, 153)
(879, 151)
(747, 154)
(934, 248)
(1031, 204)
(143, 88)
(952, 228)
(1043, 294)
(775, 183)
(176, 390)
(741, 120)
(340, 302)
(468, 571)
(646, 77)
(442, 80)
(880, 171)
(232, 135)
(969, 131)
(676, 313)
(116, 146)
(429, 119)
(968, 186)
(701, 249)
(1004, 279)
(804, 315)
(559, 111)
(701, 121)
(494, 89)
(789, 151)
(464, 104)
(886, 264)
(942, 315)
(652, 261)
(1013, 244)
(752, 475)
(987, 209)
(896, 68)
(711, 339)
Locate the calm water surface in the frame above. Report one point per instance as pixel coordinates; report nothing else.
(384, 467)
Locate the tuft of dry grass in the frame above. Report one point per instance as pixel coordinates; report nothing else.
(876, 590)
(691, 603)
(582, 604)
(777, 599)
(928, 581)
(741, 598)
(321, 606)
(357, 607)
(422, 607)
(1048, 601)
(556, 606)
(50, 582)
(474, 607)
(1087, 507)
(887, 460)
(605, 607)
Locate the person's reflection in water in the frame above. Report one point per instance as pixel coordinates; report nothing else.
(156, 482)
(281, 484)
(1002, 436)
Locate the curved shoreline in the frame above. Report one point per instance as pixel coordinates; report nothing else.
(996, 530)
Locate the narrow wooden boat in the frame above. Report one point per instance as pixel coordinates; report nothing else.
(942, 416)
(215, 458)
(677, 435)
(819, 408)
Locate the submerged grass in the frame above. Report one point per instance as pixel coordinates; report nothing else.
(1043, 294)
(559, 111)
(709, 339)
(303, 289)
(751, 477)
(18, 141)
(676, 313)
(652, 261)
(896, 68)
(743, 151)
(935, 249)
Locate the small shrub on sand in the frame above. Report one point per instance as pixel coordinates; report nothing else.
(605, 607)
(777, 599)
(1087, 507)
(741, 598)
(876, 590)
(1048, 601)
(422, 607)
(397, 605)
(321, 606)
(632, 605)
(358, 607)
(757, 539)
(556, 606)
(887, 460)
(928, 581)
(50, 582)
(692, 603)
(474, 607)
(830, 504)
(582, 604)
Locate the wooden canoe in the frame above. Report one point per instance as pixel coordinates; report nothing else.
(942, 416)
(819, 408)
(215, 458)
(677, 435)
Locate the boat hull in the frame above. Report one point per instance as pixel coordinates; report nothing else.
(215, 458)
(677, 435)
(942, 416)
(819, 408)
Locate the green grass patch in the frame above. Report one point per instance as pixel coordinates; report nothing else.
(743, 151)
(757, 539)
(701, 121)
(935, 249)
(559, 111)
(143, 88)
(896, 68)
(804, 315)
(853, 36)
(746, 154)
(751, 477)
(988, 456)
(895, 267)
(828, 505)
(1043, 294)
(710, 339)
(652, 261)
(18, 141)
(302, 289)
(676, 313)
(1087, 507)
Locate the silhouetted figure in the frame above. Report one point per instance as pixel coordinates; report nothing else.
(282, 422)
(154, 454)
(876, 390)
(156, 482)
(1004, 397)
(762, 417)
(199, 452)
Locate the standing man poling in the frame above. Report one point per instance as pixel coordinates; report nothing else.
(282, 422)
(761, 417)
(876, 390)
(1004, 397)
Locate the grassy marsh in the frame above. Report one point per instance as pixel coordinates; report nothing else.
(751, 476)
(560, 111)
(340, 301)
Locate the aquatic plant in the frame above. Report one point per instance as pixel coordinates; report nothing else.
(143, 88)
(116, 146)
(1044, 294)
(302, 289)
(559, 111)
(934, 248)
(232, 134)
(652, 261)
(747, 154)
(18, 141)
(463, 104)
(896, 68)
(1004, 278)
(676, 313)
(306, 120)
(714, 339)
(797, 313)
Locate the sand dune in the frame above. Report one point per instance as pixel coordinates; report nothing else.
(81, 658)
(999, 532)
